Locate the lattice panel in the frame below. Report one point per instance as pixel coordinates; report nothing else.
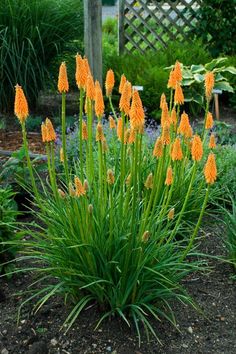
(154, 24)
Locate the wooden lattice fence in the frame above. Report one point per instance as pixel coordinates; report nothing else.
(153, 24)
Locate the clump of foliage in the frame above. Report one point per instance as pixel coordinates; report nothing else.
(217, 26)
(32, 34)
(109, 230)
(8, 214)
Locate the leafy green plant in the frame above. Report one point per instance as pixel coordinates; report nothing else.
(8, 214)
(194, 76)
(32, 34)
(116, 232)
(217, 26)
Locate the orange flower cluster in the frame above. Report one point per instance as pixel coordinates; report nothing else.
(125, 98)
(90, 88)
(63, 84)
(84, 131)
(79, 188)
(99, 103)
(165, 136)
(169, 176)
(158, 148)
(209, 84)
(137, 114)
(112, 122)
(48, 132)
(179, 96)
(176, 153)
(110, 82)
(82, 71)
(210, 170)
(212, 142)
(197, 149)
(122, 83)
(119, 128)
(99, 134)
(164, 114)
(184, 126)
(175, 76)
(21, 106)
(209, 121)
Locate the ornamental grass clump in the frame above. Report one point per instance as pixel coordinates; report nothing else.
(109, 235)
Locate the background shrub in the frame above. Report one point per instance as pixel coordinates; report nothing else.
(217, 26)
(32, 34)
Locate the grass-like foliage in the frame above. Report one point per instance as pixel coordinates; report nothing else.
(115, 232)
(8, 213)
(32, 33)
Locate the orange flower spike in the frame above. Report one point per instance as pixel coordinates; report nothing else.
(112, 122)
(210, 169)
(21, 106)
(176, 153)
(178, 71)
(197, 149)
(79, 188)
(132, 136)
(99, 133)
(119, 128)
(87, 67)
(212, 142)
(173, 117)
(110, 82)
(51, 134)
(163, 100)
(81, 72)
(122, 83)
(125, 98)
(158, 148)
(126, 136)
(44, 132)
(179, 96)
(63, 84)
(184, 126)
(99, 103)
(209, 84)
(84, 131)
(169, 176)
(90, 88)
(165, 137)
(149, 181)
(209, 121)
(164, 114)
(110, 177)
(137, 115)
(172, 80)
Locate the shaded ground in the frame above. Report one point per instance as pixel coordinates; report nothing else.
(214, 292)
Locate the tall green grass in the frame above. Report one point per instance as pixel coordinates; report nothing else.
(32, 33)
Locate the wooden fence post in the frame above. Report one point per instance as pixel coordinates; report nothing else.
(93, 36)
(121, 29)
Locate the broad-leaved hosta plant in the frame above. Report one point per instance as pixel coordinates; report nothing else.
(109, 230)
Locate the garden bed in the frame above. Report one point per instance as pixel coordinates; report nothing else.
(213, 291)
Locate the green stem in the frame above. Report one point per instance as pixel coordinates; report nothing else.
(63, 123)
(193, 236)
(122, 167)
(206, 111)
(90, 140)
(185, 203)
(81, 103)
(29, 165)
(112, 108)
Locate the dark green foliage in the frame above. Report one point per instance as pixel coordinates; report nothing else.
(217, 26)
(149, 70)
(8, 213)
(32, 33)
(109, 2)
